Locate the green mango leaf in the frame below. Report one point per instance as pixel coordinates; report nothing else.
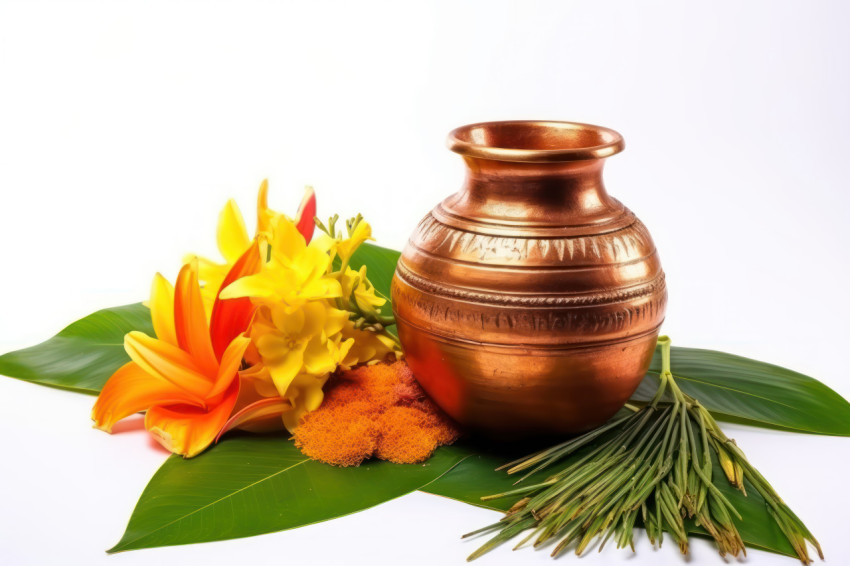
(476, 476)
(742, 390)
(251, 485)
(83, 355)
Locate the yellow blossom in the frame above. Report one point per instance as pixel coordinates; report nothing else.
(302, 330)
(361, 232)
(367, 300)
(232, 237)
(296, 317)
(357, 287)
(295, 275)
(296, 342)
(305, 394)
(296, 352)
(267, 218)
(367, 346)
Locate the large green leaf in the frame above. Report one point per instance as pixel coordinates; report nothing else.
(475, 477)
(82, 356)
(752, 392)
(250, 485)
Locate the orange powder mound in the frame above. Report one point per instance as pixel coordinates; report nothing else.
(374, 411)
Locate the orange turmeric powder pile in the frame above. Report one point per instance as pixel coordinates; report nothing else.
(374, 411)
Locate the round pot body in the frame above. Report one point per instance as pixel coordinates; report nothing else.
(529, 302)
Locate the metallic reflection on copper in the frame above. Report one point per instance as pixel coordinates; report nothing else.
(529, 301)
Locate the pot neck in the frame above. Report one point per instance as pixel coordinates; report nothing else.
(559, 194)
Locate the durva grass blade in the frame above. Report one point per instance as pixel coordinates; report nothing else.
(656, 462)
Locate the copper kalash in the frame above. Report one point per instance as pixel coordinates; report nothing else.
(529, 302)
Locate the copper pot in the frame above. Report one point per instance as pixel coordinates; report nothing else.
(529, 302)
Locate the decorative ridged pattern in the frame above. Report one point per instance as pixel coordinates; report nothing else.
(558, 324)
(625, 244)
(653, 287)
(572, 328)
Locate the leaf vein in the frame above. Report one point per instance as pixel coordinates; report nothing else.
(717, 385)
(210, 504)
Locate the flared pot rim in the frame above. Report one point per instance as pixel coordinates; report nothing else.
(535, 141)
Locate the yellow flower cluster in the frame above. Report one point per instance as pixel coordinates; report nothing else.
(311, 318)
(233, 239)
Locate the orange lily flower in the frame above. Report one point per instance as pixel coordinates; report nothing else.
(186, 378)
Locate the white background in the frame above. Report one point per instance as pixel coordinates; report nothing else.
(125, 126)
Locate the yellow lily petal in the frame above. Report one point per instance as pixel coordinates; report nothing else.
(264, 215)
(273, 347)
(362, 232)
(130, 390)
(335, 321)
(368, 346)
(254, 286)
(307, 395)
(364, 294)
(314, 320)
(324, 288)
(313, 394)
(311, 264)
(167, 362)
(343, 348)
(232, 236)
(348, 281)
(325, 244)
(284, 371)
(261, 325)
(288, 242)
(387, 342)
(317, 358)
(290, 324)
(207, 268)
(162, 309)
